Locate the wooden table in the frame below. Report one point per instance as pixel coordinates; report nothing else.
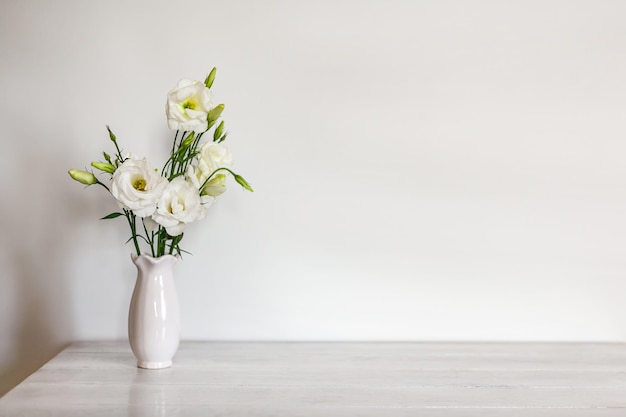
(331, 379)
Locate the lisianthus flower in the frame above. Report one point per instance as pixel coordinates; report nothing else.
(188, 106)
(211, 156)
(137, 187)
(179, 205)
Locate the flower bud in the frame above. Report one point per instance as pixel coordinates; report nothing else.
(83, 177)
(188, 140)
(243, 183)
(208, 82)
(104, 166)
(223, 138)
(215, 186)
(111, 135)
(218, 131)
(214, 114)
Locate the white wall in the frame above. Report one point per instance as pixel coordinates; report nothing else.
(446, 170)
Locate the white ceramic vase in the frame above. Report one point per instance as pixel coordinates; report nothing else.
(154, 317)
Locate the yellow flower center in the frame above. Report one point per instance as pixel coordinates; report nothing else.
(190, 103)
(139, 184)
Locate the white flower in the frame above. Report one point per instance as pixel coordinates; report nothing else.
(179, 205)
(211, 156)
(188, 106)
(137, 187)
(150, 224)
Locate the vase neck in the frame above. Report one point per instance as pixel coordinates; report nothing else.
(147, 261)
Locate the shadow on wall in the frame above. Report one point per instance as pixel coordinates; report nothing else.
(35, 320)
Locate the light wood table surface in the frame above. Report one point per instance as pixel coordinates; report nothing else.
(331, 379)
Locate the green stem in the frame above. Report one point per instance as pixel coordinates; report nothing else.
(119, 152)
(133, 229)
(150, 239)
(105, 187)
(161, 241)
(174, 144)
(173, 166)
(170, 159)
(191, 152)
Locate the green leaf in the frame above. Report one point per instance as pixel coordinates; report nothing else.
(144, 238)
(176, 239)
(112, 216)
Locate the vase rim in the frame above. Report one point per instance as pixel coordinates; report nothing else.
(153, 259)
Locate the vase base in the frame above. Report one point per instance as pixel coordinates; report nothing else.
(154, 365)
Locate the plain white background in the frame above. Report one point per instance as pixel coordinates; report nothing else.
(424, 170)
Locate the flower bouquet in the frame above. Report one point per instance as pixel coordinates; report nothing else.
(159, 204)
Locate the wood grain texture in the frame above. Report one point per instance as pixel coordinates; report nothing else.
(331, 379)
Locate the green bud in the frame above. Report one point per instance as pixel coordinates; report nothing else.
(107, 157)
(218, 131)
(210, 78)
(104, 166)
(215, 114)
(83, 177)
(243, 183)
(111, 135)
(188, 141)
(215, 186)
